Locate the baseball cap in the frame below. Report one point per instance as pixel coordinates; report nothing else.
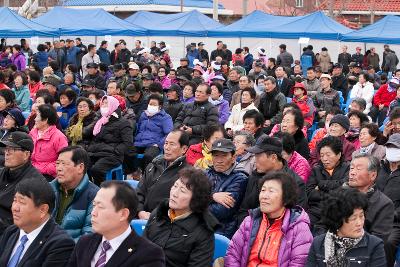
(131, 90)
(92, 65)
(148, 76)
(193, 44)
(223, 145)
(200, 44)
(301, 86)
(259, 64)
(88, 82)
(17, 116)
(338, 66)
(266, 144)
(357, 65)
(219, 77)
(184, 59)
(18, 140)
(394, 141)
(184, 77)
(162, 43)
(52, 80)
(324, 75)
(133, 66)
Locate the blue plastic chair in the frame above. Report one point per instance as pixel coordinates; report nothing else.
(288, 100)
(220, 246)
(138, 226)
(118, 172)
(341, 98)
(383, 124)
(132, 183)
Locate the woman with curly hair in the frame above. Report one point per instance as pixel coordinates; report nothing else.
(182, 225)
(346, 243)
(275, 234)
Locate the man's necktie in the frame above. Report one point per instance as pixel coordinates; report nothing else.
(17, 255)
(102, 259)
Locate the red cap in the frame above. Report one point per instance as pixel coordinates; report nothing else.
(301, 86)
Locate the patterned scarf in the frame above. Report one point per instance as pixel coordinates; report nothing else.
(367, 149)
(336, 248)
(206, 160)
(74, 132)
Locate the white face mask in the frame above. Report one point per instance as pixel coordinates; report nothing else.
(392, 154)
(94, 101)
(104, 111)
(152, 109)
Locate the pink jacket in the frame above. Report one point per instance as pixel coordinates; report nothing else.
(300, 166)
(165, 82)
(46, 149)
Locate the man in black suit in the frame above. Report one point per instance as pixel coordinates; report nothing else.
(284, 84)
(114, 243)
(34, 240)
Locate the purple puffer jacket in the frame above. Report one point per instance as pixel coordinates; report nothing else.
(295, 244)
(19, 60)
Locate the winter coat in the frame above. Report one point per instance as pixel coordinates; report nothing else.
(173, 107)
(306, 106)
(312, 86)
(77, 216)
(248, 62)
(186, 242)
(294, 245)
(357, 58)
(87, 130)
(138, 107)
(197, 115)
(165, 82)
(324, 61)
(367, 253)
(301, 144)
(348, 149)
(300, 166)
(42, 59)
(340, 83)
(218, 53)
(22, 98)
(235, 120)
(366, 92)
(344, 59)
(247, 163)
(326, 100)
(67, 113)
(394, 104)
(72, 55)
(191, 56)
(233, 181)
(320, 178)
(307, 60)
(251, 201)
(46, 148)
(194, 153)
(34, 88)
(271, 104)
(113, 140)
(377, 151)
(104, 55)
(156, 182)
(284, 59)
(373, 60)
(391, 62)
(8, 182)
(152, 130)
(19, 60)
(98, 79)
(383, 96)
(223, 109)
(389, 184)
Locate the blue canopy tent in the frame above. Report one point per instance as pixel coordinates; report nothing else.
(14, 26)
(88, 22)
(382, 31)
(315, 26)
(188, 3)
(256, 24)
(148, 19)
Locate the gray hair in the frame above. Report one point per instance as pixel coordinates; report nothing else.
(373, 162)
(360, 101)
(249, 138)
(271, 79)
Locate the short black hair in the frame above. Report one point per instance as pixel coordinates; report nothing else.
(183, 138)
(191, 84)
(219, 87)
(288, 143)
(208, 88)
(23, 77)
(54, 65)
(289, 187)
(156, 87)
(39, 190)
(17, 47)
(8, 95)
(298, 117)
(256, 115)
(251, 91)
(197, 182)
(210, 130)
(73, 68)
(156, 97)
(273, 60)
(271, 79)
(219, 42)
(363, 118)
(41, 47)
(47, 97)
(311, 68)
(340, 205)
(69, 93)
(49, 113)
(372, 128)
(394, 114)
(91, 46)
(103, 42)
(79, 155)
(85, 99)
(334, 111)
(333, 142)
(125, 197)
(282, 46)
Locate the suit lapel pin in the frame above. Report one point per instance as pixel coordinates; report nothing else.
(40, 242)
(130, 250)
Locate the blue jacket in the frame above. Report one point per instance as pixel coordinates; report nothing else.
(77, 217)
(72, 55)
(191, 56)
(42, 59)
(248, 62)
(104, 55)
(67, 113)
(233, 181)
(153, 130)
(22, 98)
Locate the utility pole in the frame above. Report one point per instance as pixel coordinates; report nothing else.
(331, 3)
(181, 5)
(6, 3)
(215, 10)
(244, 7)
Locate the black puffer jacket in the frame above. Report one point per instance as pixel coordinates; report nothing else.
(326, 183)
(8, 181)
(197, 115)
(271, 104)
(187, 242)
(389, 183)
(173, 107)
(87, 131)
(98, 79)
(156, 182)
(113, 139)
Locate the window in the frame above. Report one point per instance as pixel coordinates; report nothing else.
(299, 3)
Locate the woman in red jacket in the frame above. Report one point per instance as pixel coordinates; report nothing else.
(385, 95)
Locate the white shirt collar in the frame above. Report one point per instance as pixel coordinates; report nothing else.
(32, 235)
(117, 241)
